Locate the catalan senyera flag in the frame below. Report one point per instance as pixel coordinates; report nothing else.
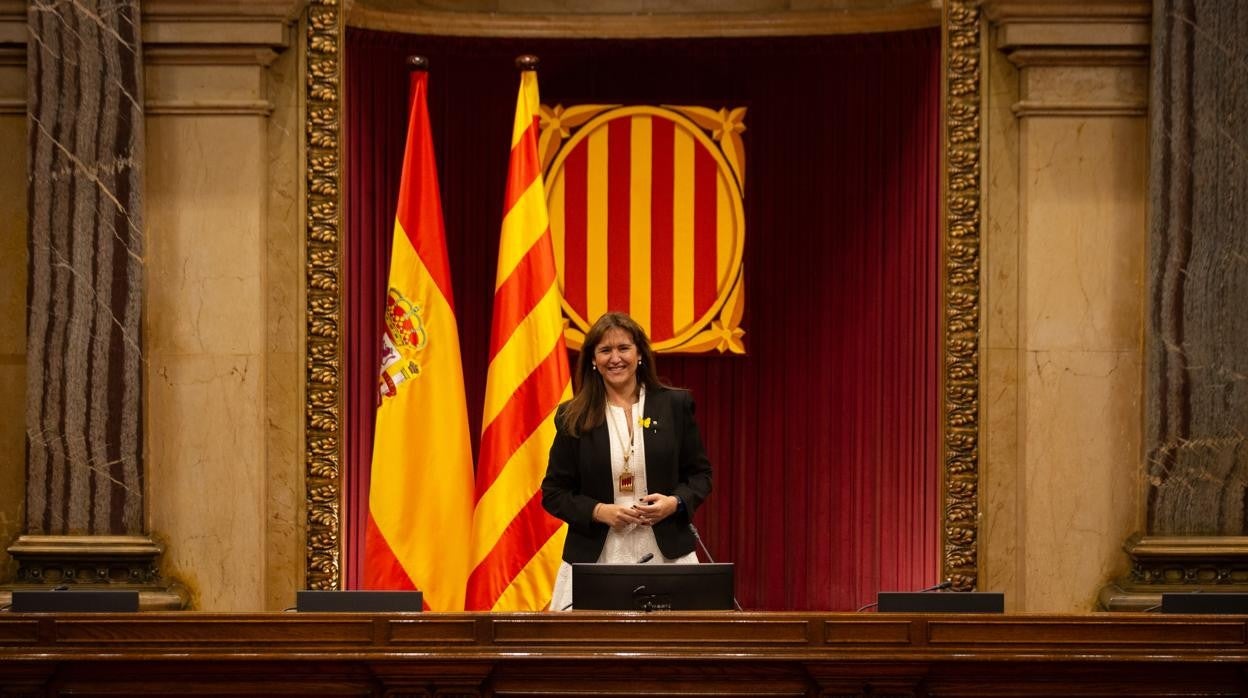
(516, 545)
(420, 498)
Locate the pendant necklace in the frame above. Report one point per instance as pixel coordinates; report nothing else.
(626, 475)
(627, 480)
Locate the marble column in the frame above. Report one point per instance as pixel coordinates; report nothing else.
(1196, 332)
(1065, 102)
(221, 406)
(84, 459)
(85, 274)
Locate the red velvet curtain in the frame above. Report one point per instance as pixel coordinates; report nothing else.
(825, 436)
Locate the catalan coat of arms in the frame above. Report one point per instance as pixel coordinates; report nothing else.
(647, 216)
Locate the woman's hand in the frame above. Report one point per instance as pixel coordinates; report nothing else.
(617, 516)
(653, 508)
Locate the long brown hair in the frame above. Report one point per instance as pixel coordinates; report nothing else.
(589, 408)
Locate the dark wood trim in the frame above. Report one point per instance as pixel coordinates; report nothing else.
(621, 654)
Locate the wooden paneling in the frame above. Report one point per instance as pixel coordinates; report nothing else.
(542, 654)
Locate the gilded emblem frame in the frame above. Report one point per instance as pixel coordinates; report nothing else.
(324, 21)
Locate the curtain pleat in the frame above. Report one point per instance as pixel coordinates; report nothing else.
(825, 436)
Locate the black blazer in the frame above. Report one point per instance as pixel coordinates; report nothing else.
(578, 476)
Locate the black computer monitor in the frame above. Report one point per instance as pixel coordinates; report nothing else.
(653, 587)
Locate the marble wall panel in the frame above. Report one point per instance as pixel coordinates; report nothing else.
(205, 235)
(1082, 481)
(206, 332)
(1082, 183)
(188, 83)
(225, 178)
(1000, 502)
(1064, 201)
(1085, 85)
(206, 475)
(284, 537)
(1084, 240)
(285, 549)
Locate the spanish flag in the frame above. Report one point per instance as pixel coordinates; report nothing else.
(420, 498)
(516, 545)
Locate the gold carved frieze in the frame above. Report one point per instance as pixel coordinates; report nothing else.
(961, 36)
(323, 345)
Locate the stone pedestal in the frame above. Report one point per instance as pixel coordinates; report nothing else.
(1161, 564)
(95, 562)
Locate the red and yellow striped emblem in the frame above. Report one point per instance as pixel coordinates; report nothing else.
(646, 217)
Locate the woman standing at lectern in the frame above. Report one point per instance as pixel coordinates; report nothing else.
(627, 468)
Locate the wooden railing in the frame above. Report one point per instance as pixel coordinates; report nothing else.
(779, 654)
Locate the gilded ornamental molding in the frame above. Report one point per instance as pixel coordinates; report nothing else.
(650, 21)
(960, 402)
(961, 35)
(323, 345)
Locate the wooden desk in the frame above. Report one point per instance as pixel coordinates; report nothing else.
(627, 654)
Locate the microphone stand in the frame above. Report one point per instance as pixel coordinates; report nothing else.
(694, 529)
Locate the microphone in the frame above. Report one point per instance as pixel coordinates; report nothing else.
(645, 558)
(935, 587)
(694, 530)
